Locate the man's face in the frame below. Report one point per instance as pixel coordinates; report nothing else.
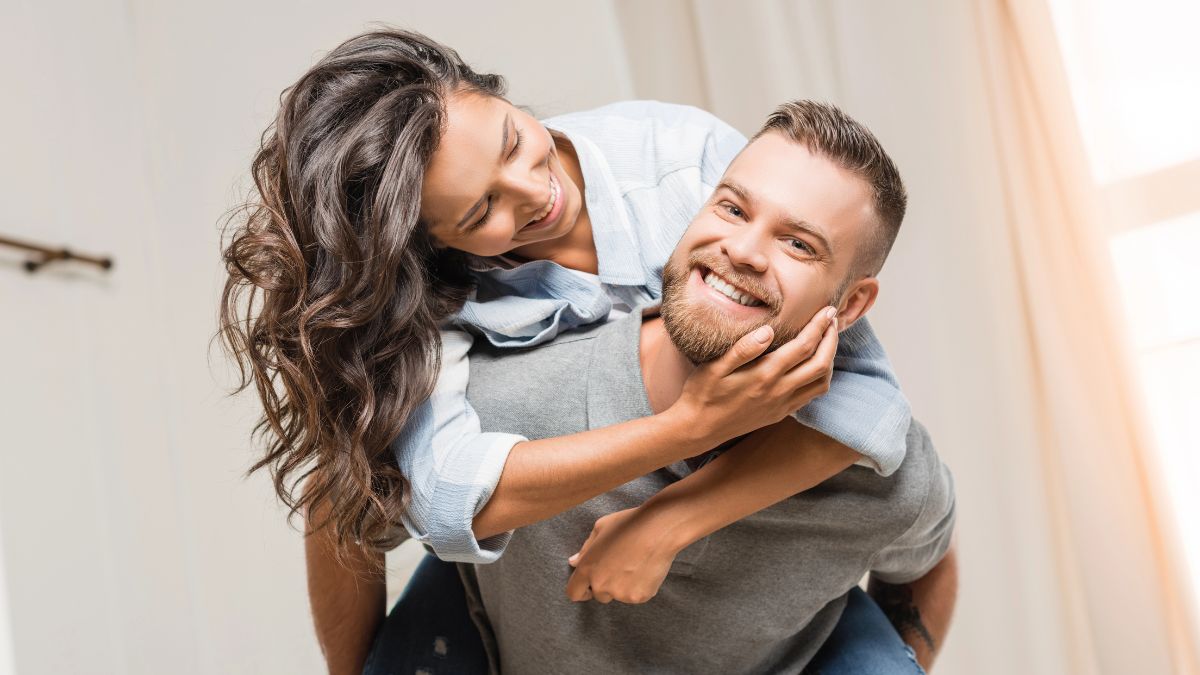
(773, 245)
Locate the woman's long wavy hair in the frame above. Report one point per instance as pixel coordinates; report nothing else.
(335, 289)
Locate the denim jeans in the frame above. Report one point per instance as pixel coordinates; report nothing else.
(428, 632)
(864, 643)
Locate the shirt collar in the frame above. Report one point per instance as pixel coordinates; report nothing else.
(618, 251)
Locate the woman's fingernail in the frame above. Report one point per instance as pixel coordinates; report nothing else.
(831, 312)
(763, 333)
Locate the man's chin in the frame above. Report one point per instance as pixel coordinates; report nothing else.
(701, 332)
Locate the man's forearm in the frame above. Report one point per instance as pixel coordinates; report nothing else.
(765, 468)
(348, 601)
(921, 610)
(543, 478)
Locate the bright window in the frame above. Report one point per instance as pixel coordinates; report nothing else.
(1134, 73)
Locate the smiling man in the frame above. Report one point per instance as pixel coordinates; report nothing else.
(803, 218)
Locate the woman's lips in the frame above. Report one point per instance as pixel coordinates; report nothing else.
(555, 212)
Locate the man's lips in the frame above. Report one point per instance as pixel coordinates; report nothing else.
(700, 289)
(722, 282)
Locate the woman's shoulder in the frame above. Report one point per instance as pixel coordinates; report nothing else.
(643, 141)
(639, 113)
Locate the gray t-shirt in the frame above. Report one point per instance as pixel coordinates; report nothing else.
(759, 596)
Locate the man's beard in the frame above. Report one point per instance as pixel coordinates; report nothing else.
(703, 333)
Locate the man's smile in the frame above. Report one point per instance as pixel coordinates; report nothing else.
(703, 283)
(729, 289)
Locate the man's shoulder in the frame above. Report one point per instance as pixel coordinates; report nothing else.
(929, 483)
(925, 460)
(896, 500)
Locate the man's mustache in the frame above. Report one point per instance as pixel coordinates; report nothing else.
(723, 269)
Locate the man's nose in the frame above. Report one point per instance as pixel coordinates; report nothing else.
(746, 248)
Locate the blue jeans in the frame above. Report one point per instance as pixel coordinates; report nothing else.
(864, 643)
(429, 632)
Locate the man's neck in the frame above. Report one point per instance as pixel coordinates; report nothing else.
(664, 368)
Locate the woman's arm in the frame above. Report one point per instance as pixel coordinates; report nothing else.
(347, 597)
(721, 400)
(629, 552)
(865, 408)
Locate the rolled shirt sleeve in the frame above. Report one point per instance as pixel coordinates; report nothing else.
(452, 466)
(864, 408)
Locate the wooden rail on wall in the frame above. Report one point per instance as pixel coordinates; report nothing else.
(47, 254)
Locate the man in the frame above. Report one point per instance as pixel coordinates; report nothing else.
(802, 218)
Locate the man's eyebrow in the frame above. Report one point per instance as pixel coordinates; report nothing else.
(736, 189)
(792, 223)
(811, 230)
(503, 146)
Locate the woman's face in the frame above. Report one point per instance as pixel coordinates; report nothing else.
(496, 181)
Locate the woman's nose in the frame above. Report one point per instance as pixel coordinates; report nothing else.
(529, 185)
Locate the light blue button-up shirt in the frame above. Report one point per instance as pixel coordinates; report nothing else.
(647, 168)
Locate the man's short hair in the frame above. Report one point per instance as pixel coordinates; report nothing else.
(828, 131)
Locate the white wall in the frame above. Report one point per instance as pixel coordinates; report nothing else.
(7, 666)
(131, 542)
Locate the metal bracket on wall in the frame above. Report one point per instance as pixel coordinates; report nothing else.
(44, 255)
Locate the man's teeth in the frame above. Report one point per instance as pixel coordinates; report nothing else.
(730, 292)
(549, 206)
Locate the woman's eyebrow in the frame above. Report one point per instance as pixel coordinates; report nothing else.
(503, 148)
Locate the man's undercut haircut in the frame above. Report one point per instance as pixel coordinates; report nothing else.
(828, 131)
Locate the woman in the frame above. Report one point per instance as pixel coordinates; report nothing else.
(403, 201)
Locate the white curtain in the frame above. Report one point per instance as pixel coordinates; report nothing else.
(1132, 596)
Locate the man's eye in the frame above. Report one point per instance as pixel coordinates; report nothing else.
(800, 246)
(734, 211)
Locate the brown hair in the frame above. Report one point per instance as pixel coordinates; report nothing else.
(335, 290)
(826, 130)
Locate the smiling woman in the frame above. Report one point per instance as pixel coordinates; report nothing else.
(516, 200)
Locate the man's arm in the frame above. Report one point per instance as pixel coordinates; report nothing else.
(629, 552)
(348, 598)
(921, 610)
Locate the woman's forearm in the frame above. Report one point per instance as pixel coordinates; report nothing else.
(739, 392)
(347, 596)
(545, 477)
(767, 467)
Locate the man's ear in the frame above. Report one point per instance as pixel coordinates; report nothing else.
(856, 301)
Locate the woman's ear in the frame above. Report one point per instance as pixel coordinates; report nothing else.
(856, 301)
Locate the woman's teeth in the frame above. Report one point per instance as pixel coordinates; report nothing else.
(730, 292)
(550, 205)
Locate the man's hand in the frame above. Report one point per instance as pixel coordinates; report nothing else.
(625, 559)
